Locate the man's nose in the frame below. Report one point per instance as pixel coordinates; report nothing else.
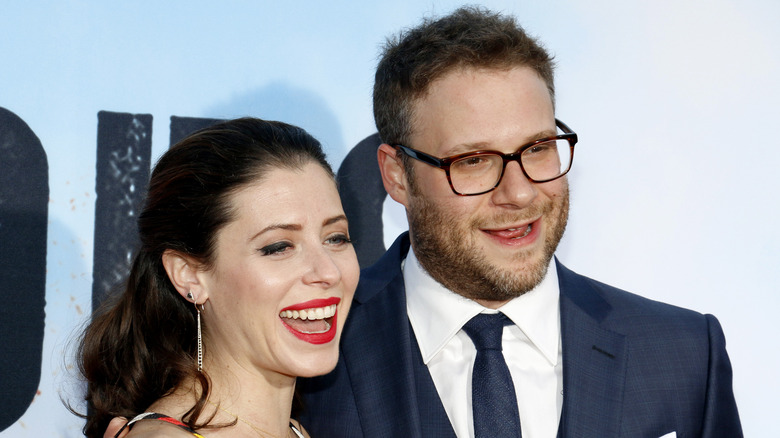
(515, 189)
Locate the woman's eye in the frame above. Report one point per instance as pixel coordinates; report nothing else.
(338, 239)
(275, 248)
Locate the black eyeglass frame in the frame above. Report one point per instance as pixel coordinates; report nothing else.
(445, 162)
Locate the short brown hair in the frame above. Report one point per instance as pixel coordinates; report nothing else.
(469, 37)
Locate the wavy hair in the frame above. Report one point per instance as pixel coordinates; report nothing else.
(141, 343)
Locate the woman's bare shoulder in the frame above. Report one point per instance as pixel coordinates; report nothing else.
(157, 429)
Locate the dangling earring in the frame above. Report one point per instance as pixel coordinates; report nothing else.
(200, 339)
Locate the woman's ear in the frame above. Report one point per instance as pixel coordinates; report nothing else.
(184, 274)
(393, 173)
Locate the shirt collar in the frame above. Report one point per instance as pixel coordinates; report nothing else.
(437, 314)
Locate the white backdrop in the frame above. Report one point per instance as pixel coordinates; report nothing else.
(675, 103)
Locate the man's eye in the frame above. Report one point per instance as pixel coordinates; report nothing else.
(471, 162)
(275, 248)
(541, 148)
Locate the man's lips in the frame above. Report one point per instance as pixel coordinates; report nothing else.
(515, 234)
(511, 233)
(312, 321)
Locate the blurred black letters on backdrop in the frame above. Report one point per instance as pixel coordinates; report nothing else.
(123, 161)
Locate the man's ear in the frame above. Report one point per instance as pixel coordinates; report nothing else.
(185, 274)
(393, 173)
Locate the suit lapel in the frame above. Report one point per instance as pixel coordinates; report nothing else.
(383, 360)
(594, 361)
(390, 386)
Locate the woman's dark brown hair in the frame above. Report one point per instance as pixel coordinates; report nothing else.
(141, 343)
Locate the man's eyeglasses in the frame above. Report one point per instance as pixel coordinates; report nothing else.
(478, 172)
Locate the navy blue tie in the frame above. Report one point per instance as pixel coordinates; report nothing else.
(493, 399)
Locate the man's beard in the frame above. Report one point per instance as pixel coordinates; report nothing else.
(447, 249)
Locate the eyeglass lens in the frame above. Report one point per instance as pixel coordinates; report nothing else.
(481, 172)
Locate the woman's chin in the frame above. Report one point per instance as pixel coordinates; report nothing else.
(317, 366)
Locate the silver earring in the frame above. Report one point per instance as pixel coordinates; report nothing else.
(200, 339)
(200, 343)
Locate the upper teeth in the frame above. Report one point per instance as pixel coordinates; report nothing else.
(525, 232)
(527, 227)
(515, 229)
(310, 314)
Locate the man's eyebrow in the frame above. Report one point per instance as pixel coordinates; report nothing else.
(481, 145)
(547, 133)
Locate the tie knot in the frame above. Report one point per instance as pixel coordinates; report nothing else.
(485, 330)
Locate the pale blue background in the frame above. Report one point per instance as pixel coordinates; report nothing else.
(675, 101)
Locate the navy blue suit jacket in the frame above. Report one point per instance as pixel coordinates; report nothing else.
(632, 367)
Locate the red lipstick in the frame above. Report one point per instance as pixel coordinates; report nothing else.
(311, 331)
(313, 304)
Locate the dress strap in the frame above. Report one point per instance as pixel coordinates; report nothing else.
(160, 417)
(175, 422)
(296, 431)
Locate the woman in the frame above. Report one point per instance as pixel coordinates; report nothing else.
(243, 280)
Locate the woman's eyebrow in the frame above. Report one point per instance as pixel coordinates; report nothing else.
(292, 227)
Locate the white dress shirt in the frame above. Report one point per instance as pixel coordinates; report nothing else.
(532, 348)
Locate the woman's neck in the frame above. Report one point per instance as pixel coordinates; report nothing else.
(262, 399)
(258, 401)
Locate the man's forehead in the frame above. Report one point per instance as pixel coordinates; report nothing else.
(469, 109)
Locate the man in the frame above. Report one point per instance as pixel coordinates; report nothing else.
(584, 359)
